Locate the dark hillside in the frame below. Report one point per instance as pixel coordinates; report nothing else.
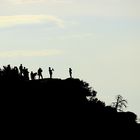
(57, 106)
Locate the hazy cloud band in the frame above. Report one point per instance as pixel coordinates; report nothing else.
(9, 21)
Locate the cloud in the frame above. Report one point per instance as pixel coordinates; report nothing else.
(29, 53)
(10, 21)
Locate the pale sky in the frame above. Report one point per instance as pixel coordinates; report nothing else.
(98, 39)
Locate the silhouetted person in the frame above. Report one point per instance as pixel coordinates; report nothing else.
(51, 71)
(33, 75)
(26, 73)
(70, 72)
(9, 67)
(40, 73)
(21, 69)
(16, 70)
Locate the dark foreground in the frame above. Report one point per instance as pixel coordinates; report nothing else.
(59, 108)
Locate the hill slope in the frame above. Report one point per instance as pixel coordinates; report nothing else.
(61, 105)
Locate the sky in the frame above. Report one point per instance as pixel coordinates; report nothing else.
(98, 39)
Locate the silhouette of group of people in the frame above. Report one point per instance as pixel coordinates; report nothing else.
(39, 73)
(40, 76)
(8, 73)
(23, 72)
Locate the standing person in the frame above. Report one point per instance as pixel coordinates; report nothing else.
(25, 73)
(70, 72)
(40, 73)
(32, 75)
(51, 72)
(21, 69)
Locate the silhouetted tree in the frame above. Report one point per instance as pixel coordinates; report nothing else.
(120, 103)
